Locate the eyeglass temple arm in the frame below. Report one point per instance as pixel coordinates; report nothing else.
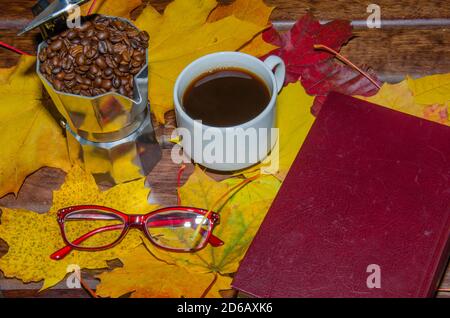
(63, 252)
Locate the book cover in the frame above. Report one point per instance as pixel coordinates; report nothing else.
(363, 212)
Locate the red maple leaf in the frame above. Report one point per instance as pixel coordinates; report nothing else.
(318, 71)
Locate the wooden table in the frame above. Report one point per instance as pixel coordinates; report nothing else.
(413, 40)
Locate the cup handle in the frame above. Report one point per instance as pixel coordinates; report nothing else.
(277, 66)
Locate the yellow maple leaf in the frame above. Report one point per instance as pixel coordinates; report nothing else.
(396, 96)
(254, 11)
(118, 8)
(241, 216)
(434, 89)
(29, 135)
(146, 277)
(33, 237)
(399, 97)
(182, 35)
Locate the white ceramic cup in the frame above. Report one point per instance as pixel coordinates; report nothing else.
(200, 141)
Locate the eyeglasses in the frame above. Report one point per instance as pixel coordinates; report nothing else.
(96, 228)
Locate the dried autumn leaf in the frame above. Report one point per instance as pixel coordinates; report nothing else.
(254, 11)
(317, 70)
(33, 237)
(29, 135)
(182, 35)
(118, 8)
(434, 89)
(146, 277)
(400, 97)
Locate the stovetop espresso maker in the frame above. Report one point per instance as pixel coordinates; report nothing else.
(111, 135)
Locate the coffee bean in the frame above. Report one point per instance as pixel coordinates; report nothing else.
(119, 48)
(57, 84)
(69, 76)
(100, 26)
(56, 62)
(107, 72)
(124, 68)
(102, 35)
(85, 42)
(138, 56)
(66, 63)
(120, 25)
(75, 50)
(80, 59)
(84, 68)
(48, 69)
(70, 83)
(126, 56)
(118, 73)
(126, 40)
(71, 35)
(106, 84)
(144, 36)
(91, 52)
(136, 64)
(56, 70)
(87, 82)
(102, 47)
(60, 76)
(100, 61)
(96, 91)
(116, 82)
(132, 33)
(79, 79)
(98, 82)
(85, 26)
(110, 62)
(115, 38)
(135, 70)
(93, 69)
(90, 33)
(134, 43)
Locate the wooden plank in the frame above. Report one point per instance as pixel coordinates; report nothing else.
(350, 10)
(292, 9)
(357, 9)
(392, 53)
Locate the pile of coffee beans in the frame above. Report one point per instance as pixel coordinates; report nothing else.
(102, 55)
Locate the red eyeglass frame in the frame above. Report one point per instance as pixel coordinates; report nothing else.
(131, 221)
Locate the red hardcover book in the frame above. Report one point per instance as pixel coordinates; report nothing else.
(363, 212)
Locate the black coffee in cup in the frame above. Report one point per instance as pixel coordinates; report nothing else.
(226, 97)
